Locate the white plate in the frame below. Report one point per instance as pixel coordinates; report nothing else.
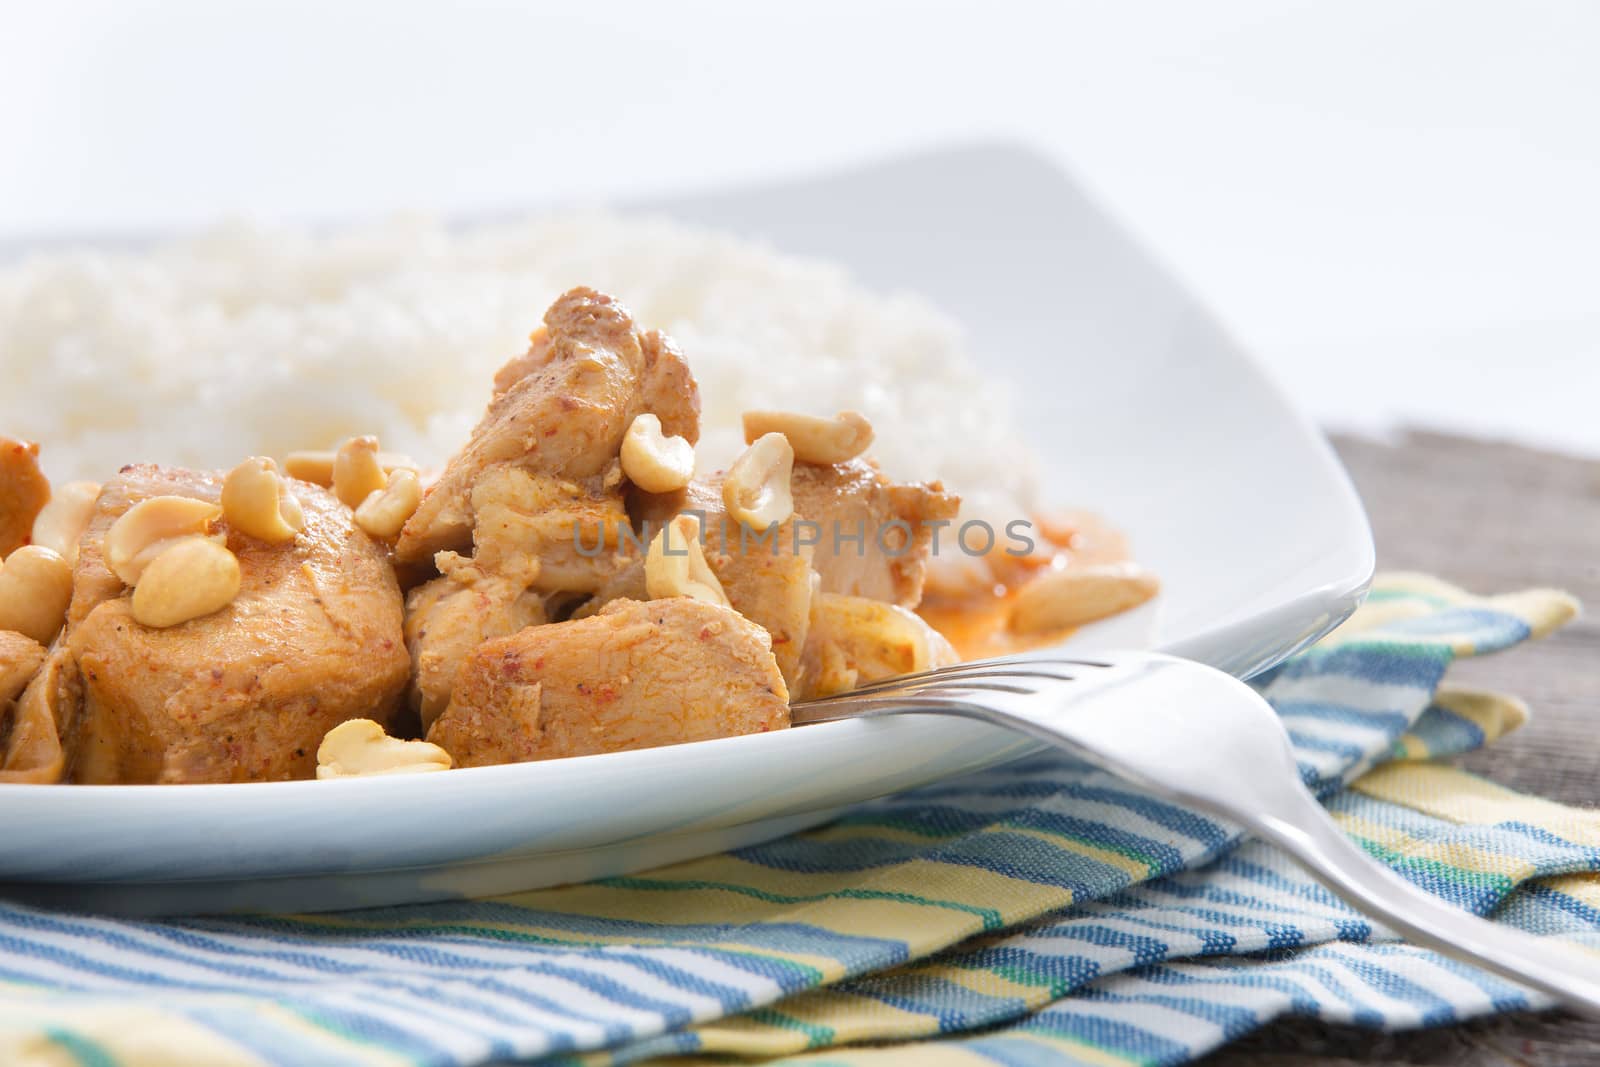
(1142, 410)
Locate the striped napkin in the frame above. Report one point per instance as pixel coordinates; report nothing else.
(1037, 913)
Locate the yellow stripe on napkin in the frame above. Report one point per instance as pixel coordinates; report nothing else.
(1452, 794)
(1454, 854)
(1496, 714)
(1401, 596)
(67, 1035)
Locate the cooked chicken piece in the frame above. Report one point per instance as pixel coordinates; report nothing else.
(536, 356)
(42, 717)
(636, 675)
(853, 504)
(854, 641)
(24, 490)
(767, 580)
(19, 661)
(452, 615)
(667, 388)
(551, 535)
(627, 584)
(245, 694)
(768, 583)
(559, 415)
(539, 490)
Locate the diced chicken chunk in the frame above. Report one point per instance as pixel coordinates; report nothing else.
(547, 534)
(558, 416)
(452, 615)
(636, 675)
(767, 579)
(24, 491)
(770, 579)
(244, 694)
(43, 715)
(874, 533)
(19, 661)
(539, 490)
(667, 388)
(537, 355)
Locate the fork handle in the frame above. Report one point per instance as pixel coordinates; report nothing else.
(1280, 809)
(1305, 830)
(1276, 806)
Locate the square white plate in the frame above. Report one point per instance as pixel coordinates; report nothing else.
(1141, 408)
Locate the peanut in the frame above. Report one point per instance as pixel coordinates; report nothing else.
(1057, 600)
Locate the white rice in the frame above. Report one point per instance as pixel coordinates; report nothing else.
(246, 341)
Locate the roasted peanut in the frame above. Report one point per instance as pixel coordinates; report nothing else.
(256, 501)
(814, 440)
(757, 489)
(35, 588)
(313, 467)
(359, 747)
(676, 565)
(151, 526)
(655, 463)
(1056, 600)
(188, 580)
(386, 510)
(317, 467)
(62, 521)
(357, 474)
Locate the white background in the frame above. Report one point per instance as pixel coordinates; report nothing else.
(1396, 204)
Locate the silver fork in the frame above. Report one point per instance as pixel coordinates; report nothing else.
(1204, 739)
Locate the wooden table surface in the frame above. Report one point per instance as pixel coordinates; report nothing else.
(1493, 518)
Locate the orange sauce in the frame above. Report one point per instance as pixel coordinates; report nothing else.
(976, 618)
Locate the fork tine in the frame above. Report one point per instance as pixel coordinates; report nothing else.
(1009, 663)
(943, 676)
(952, 686)
(1022, 666)
(851, 706)
(959, 689)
